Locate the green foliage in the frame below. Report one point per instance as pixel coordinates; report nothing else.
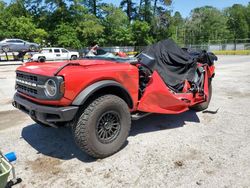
(82, 23)
(204, 25)
(22, 27)
(141, 33)
(66, 36)
(116, 25)
(89, 30)
(40, 36)
(237, 21)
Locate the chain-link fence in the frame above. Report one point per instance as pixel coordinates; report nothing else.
(215, 45)
(219, 47)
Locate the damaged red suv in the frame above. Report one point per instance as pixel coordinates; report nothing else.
(99, 95)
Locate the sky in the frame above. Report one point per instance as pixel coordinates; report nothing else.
(185, 6)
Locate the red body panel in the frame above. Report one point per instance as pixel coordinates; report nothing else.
(89, 71)
(157, 98)
(45, 69)
(79, 77)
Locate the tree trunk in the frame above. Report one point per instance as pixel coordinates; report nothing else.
(155, 4)
(94, 7)
(140, 5)
(129, 9)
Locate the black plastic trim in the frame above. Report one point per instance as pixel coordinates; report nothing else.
(88, 91)
(45, 114)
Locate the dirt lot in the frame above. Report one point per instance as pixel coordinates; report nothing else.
(206, 149)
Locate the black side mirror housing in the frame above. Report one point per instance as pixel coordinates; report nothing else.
(147, 61)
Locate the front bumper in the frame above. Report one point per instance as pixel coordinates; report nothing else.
(45, 114)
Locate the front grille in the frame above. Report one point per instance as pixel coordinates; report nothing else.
(27, 90)
(26, 77)
(27, 84)
(33, 85)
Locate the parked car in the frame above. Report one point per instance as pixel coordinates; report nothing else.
(17, 45)
(99, 95)
(51, 54)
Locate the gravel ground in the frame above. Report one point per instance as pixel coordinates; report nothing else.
(206, 149)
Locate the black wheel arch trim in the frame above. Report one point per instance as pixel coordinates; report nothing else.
(95, 87)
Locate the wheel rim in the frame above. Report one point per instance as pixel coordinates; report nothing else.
(108, 127)
(5, 48)
(32, 48)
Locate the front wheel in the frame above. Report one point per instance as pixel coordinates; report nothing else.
(203, 106)
(5, 49)
(102, 128)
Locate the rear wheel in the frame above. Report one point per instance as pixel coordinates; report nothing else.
(32, 48)
(204, 105)
(73, 57)
(41, 59)
(102, 128)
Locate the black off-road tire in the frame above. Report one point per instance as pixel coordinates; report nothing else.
(204, 105)
(41, 59)
(5, 49)
(85, 126)
(32, 48)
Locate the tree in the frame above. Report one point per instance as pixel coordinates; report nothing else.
(237, 21)
(66, 36)
(129, 8)
(24, 28)
(116, 23)
(147, 13)
(93, 6)
(166, 2)
(205, 25)
(141, 33)
(248, 18)
(89, 30)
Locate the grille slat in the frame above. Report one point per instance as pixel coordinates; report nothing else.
(26, 77)
(24, 87)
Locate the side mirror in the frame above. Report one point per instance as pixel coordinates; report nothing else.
(147, 61)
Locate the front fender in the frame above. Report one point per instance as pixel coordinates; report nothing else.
(90, 90)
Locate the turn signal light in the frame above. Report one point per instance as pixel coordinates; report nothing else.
(62, 87)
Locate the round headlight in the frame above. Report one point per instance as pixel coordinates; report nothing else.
(50, 88)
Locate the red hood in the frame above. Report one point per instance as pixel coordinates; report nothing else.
(50, 68)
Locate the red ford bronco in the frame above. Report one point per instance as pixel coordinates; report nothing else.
(100, 94)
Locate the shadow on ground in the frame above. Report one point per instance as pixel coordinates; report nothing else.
(59, 143)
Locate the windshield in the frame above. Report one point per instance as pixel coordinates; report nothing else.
(113, 58)
(98, 53)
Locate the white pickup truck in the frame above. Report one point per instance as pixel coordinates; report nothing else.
(51, 54)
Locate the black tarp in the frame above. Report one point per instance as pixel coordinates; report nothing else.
(173, 64)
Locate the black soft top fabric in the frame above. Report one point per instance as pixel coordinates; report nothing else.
(173, 64)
